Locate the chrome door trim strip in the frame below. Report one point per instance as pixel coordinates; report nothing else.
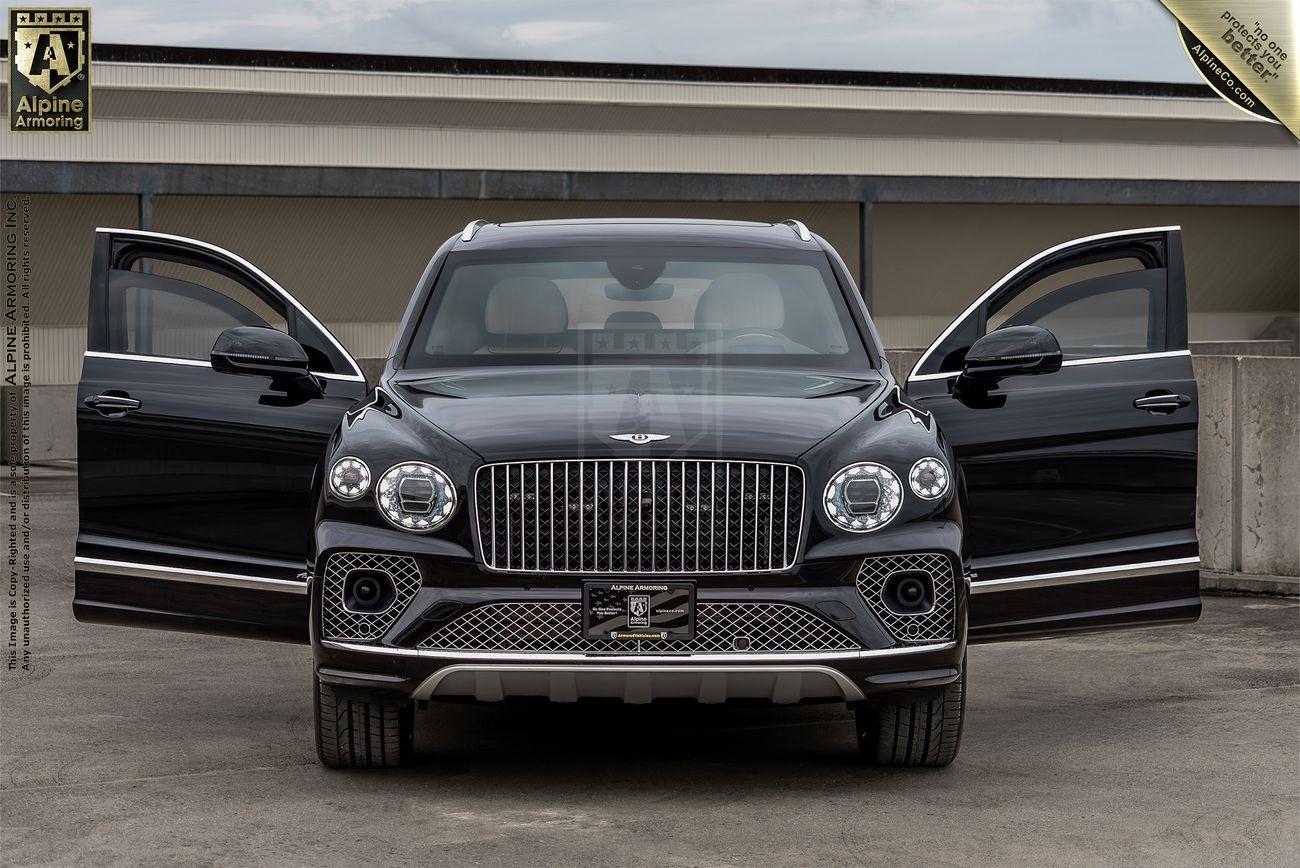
(1096, 574)
(1131, 357)
(261, 275)
(1099, 360)
(639, 660)
(197, 363)
(850, 690)
(200, 577)
(952, 326)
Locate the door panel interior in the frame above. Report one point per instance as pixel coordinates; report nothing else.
(1081, 502)
(196, 486)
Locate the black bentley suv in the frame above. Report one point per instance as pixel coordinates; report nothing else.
(638, 460)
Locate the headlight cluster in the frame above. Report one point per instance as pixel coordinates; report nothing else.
(413, 495)
(929, 479)
(350, 478)
(866, 496)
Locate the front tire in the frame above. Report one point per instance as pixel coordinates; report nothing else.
(911, 730)
(361, 733)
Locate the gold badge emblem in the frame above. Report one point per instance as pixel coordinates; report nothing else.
(49, 72)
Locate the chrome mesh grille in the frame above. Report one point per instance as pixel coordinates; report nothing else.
(937, 625)
(540, 627)
(639, 516)
(337, 621)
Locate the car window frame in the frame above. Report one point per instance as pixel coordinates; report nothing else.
(1154, 246)
(117, 249)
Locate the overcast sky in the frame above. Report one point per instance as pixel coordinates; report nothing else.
(1127, 39)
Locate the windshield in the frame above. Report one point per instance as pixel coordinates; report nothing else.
(637, 305)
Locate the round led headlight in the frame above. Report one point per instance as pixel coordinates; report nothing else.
(350, 478)
(416, 496)
(863, 497)
(929, 479)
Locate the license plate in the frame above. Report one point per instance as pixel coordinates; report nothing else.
(647, 611)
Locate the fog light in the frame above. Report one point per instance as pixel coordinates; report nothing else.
(368, 591)
(908, 593)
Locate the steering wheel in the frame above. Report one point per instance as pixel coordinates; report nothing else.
(747, 339)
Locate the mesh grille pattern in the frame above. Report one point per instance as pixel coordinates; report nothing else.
(339, 623)
(557, 628)
(641, 516)
(937, 625)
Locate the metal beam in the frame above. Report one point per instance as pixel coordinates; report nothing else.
(864, 252)
(48, 176)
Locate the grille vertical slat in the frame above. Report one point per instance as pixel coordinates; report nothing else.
(625, 516)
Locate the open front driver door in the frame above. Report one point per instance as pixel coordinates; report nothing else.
(1081, 482)
(196, 494)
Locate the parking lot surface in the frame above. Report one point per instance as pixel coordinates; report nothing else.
(1169, 746)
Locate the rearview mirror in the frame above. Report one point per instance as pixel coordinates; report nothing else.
(266, 352)
(1024, 349)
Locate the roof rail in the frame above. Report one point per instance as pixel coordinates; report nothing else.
(799, 229)
(467, 234)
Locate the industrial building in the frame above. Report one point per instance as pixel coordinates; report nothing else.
(339, 175)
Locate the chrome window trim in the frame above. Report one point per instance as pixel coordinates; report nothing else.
(261, 275)
(1095, 574)
(1042, 254)
(197, 363)
(640, 662)
(180, 574)
(850, 690)
(1099, 360)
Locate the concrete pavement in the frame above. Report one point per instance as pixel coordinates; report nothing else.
(1170, 746)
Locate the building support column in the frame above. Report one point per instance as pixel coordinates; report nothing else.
(864, 252)
(144, 300)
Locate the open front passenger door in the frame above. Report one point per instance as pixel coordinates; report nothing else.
(196, 481)
(1080, 468)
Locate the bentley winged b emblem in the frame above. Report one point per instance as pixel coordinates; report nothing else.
(639, 438)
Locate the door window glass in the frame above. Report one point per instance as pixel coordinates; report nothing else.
(1112, 307)
(174, 310)
(1115, 315)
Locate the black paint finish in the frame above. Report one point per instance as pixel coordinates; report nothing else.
(1053, 473)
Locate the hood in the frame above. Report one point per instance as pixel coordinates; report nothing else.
(510, 414)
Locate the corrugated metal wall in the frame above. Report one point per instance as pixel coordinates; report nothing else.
(355, 261)
(157, 113)
(929, 261)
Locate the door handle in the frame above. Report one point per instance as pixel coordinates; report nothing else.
(112, 406)
(1162, 405)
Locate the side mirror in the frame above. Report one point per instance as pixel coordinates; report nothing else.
(265, 352)
(1024, 349)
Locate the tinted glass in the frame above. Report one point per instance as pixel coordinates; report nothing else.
(154, 315)
(1109, 316)
(608, 306)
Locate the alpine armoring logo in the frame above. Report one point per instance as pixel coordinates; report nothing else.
(49, 70)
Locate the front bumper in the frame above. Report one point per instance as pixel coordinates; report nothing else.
(777, 678)
(815, 634)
